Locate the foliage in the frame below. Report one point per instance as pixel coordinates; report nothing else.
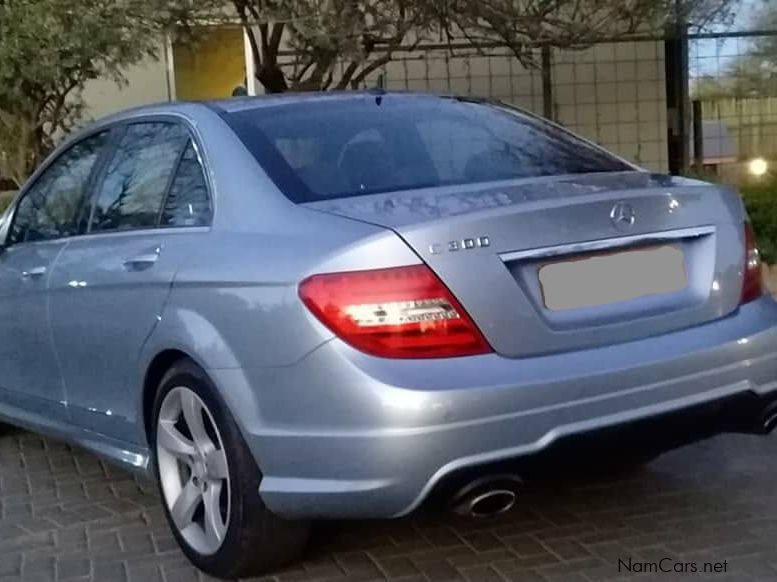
(19, 152)
(766, 47)
(702, 174)
(760, 198)
(51, 48)
(761, 202)
(752, 74)
(5, 199)
(338, 43)
(521, 25)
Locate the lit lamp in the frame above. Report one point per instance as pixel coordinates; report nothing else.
(758, 167)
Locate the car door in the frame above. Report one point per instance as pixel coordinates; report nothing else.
(38, 230)
(150, 210)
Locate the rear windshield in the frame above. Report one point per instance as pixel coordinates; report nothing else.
(366, 144)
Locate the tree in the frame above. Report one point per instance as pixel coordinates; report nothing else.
(51, 48)
(339, 43)
(335, 44)
(766, 19)
(753, 73)
(757, 70)
(523, 25)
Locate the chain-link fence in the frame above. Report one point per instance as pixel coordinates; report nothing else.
(733, 83)
(611, 93)
(635, 97)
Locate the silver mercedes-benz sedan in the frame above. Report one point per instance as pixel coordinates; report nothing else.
(349, 305)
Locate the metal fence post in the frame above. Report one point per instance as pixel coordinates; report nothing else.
(548, 109)
(698, 137)
(678, 98)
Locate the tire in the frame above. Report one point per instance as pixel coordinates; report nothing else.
(9, 429)
(220, 521)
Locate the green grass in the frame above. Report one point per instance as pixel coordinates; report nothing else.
(761, 202)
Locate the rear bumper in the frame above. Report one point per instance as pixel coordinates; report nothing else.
(341, 434)
(620, 444)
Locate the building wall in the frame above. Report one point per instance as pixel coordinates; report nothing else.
(211, 70)
(146, 83)
(212, 67)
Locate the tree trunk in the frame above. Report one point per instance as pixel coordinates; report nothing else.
(272, 79)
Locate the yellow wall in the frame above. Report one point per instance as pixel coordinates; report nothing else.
(211, 67)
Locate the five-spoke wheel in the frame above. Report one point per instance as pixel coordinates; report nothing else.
(210, 482)
(193, 470)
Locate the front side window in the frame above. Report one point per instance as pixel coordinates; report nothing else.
(50, 208)
(132, 191)
(369, 144)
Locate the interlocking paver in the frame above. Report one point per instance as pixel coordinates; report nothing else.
(64, 515)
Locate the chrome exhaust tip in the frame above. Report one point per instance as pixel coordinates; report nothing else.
(768, 419)
(487, 497)
(492, 503)
(769, 422)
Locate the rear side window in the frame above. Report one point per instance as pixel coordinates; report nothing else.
(187, 203)
(338, 148)
(50, 208)
(133, 189)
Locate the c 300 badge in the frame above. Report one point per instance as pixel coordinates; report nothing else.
(460, 245)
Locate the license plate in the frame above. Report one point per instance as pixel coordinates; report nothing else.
(602, 279)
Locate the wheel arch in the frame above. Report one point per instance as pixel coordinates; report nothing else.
(187, 334)
(158, 365)
(157, 368)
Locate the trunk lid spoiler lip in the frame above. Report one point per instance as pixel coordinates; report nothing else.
(399, 210)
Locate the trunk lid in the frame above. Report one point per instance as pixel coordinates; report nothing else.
(491, 244)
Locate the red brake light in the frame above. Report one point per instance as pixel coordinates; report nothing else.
(752, 287)
(403, 312)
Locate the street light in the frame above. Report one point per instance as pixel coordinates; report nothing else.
(758, 167)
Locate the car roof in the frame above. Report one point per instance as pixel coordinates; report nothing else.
(246, 103)
(234, 104)
(178, 108)
(194, 109)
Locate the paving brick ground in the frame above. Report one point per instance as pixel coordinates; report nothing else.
(64, 515)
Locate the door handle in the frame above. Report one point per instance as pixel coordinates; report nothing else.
(34, 273)
(143, 260)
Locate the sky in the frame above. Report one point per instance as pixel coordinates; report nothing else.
(712, 57)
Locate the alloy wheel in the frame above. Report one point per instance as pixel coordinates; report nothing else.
(193, 470)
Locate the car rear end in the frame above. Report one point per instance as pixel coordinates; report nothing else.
(555, 293)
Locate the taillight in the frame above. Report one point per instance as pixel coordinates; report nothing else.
(402, 312)
(752, 287)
